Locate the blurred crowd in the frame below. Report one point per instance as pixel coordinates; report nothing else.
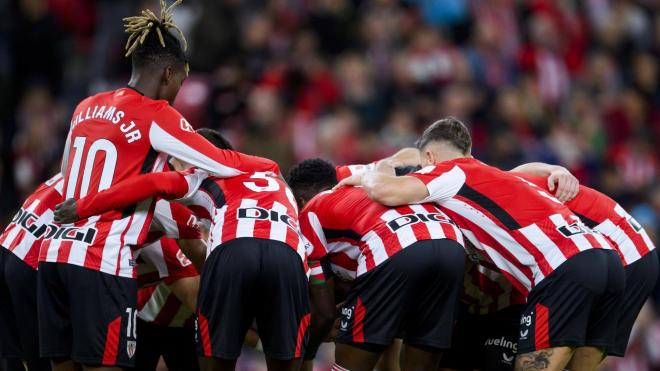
(562, 81)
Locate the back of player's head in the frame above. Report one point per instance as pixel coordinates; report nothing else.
(311, 177)
(215, 138)
(449, 130)
(150, 42)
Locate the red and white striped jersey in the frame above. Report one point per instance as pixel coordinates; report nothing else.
(27, 229)
(485, 289)
(524, 230)
(602, 214)
(68, 244)
(257, 205)
(359, 234)
(120, 134)
(157, 304)
(163, 261)
(159, 264)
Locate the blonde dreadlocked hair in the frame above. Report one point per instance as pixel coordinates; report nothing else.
(139, 45)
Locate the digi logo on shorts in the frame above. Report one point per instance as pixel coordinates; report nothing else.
(410, 219)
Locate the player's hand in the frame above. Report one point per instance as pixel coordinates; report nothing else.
(353, 180)
(566, 185)
(65, 212)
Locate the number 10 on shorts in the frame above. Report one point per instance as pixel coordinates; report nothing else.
(131, 323)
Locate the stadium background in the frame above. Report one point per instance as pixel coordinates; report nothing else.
(561, 81)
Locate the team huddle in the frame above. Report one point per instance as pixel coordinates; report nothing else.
(156, 240)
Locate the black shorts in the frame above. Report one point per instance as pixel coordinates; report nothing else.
(641, 278)
(18, 312)
(414, 293)
(86, 316)
(576, 305)
(175, 344)
(493, 337)
(247, 279)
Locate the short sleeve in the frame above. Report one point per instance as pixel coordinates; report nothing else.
(311, 228)
(443, 181)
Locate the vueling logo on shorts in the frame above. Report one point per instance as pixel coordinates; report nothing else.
(410, 219)
(502, 342)
(525, 320)
(346, 315)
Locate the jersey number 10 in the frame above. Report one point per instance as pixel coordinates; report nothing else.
(107, 174)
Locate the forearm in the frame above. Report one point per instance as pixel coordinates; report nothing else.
(322, 318)
(195, 250)
(168, 185)
(391, 190)
(536, 169)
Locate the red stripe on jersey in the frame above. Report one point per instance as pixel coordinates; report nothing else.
(111, 347)
(43, 250)
(302, 332)
(64, 251)
(204, 334)
(343, 260)
(541, 328)
(358, 322)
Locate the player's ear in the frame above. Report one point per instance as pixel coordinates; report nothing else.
(168, 74)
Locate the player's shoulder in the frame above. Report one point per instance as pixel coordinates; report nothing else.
(318, 202)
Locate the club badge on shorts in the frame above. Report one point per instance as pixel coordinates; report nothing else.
(130, 348)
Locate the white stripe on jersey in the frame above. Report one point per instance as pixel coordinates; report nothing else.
(621, 239)
(318, 228)
(215, 235)
(153, 254)
(435, 229)
(53, 250)
(405, 234)
(245, 226)
(445, 186)
(162, 141)
(540, 240)
(164, 220)
(278, 229)
(110, 256)
(78, 250)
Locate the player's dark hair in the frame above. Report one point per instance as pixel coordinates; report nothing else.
(311, 177)
(215, 138)
(150, 42)
(449, 130)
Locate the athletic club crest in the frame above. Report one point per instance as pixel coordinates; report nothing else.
(130, 348)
